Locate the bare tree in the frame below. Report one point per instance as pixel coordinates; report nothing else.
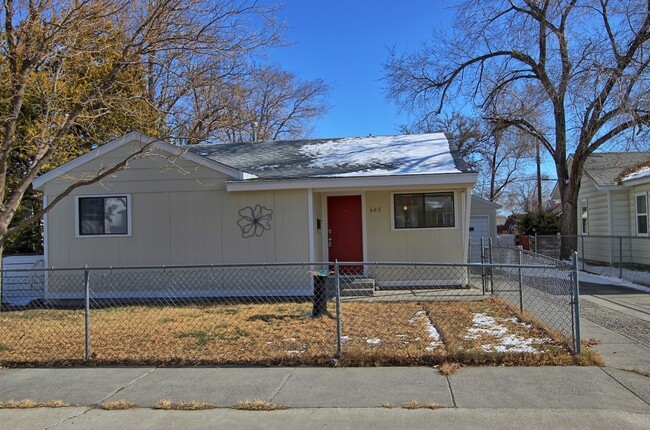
(264, 103)
(67, 65)
(582, 63)
(468, 133)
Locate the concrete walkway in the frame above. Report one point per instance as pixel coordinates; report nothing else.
(359, 398)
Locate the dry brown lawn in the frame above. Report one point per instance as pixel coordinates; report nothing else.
(375, 333)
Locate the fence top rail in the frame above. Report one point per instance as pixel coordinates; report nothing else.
(306, 265)
(592, 236)
(555, 261)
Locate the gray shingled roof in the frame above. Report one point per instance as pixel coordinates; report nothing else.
(605, 167)
(300, 159)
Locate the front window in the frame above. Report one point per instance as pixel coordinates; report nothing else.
(104, 215)
(642, 214)
(424, 210)
(584, 217)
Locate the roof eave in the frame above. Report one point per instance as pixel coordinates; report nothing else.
(468, 179)
(144, 140)
(636, 181)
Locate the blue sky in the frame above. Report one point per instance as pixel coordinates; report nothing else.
(345, 43)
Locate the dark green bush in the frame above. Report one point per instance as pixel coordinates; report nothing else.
(538, 222)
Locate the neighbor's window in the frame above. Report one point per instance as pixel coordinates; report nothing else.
(641, 214)
(584, 217)
(105, 215)
(424, 210)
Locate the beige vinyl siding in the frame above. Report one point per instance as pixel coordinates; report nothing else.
(384, 243)
(422, 245)
(180, 215)
(595, 249)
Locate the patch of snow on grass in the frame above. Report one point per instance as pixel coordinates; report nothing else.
(508, 342)
(436, 342)
(373, 341)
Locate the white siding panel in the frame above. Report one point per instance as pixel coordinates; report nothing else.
(598, 249)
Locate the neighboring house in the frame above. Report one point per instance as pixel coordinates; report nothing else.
(483, 220)
(482, 226)
(386, 198)
(613, 201)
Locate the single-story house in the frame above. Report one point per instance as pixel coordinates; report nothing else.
(613, 201)
(377, 198)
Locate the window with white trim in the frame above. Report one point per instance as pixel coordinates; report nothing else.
(584, 216)
(103, 215)
(641, 204)
(423, 210)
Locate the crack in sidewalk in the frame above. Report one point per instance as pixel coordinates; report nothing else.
(96, 404)
(125, 386)
(284, 381)
(451, 392)
(624, 386)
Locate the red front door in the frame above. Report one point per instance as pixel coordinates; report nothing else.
(344, 231)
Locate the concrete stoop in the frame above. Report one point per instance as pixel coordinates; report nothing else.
(351, 287)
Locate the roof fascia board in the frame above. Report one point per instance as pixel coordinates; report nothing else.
(354, 182)
(203, 161)
(487, 202)
(636, 181)
(89, 156)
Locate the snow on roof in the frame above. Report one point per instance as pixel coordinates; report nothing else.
(641, 173)
(402, 155)
(422, 154)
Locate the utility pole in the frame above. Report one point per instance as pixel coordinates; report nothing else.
(539, 177)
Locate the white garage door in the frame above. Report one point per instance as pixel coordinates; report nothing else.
(478, 228)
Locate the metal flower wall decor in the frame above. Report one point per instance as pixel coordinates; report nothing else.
(254, 221)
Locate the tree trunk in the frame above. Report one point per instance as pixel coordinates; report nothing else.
(569, 229)
(569, 189)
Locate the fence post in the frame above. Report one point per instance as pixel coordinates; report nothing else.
(521, 278)
(576, 303)
(582, 241)
(87, 311)
(337, 284)
(535, 242)
(620, 257)
(491, 268)
(482, 266)
(469, 260)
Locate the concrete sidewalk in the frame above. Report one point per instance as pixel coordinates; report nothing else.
(486, 397)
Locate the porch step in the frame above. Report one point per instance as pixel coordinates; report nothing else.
(357, 286)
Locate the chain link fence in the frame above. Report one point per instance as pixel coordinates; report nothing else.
(306, 313)
(625, 257)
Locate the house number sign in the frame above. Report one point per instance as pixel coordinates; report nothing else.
(375, 209)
